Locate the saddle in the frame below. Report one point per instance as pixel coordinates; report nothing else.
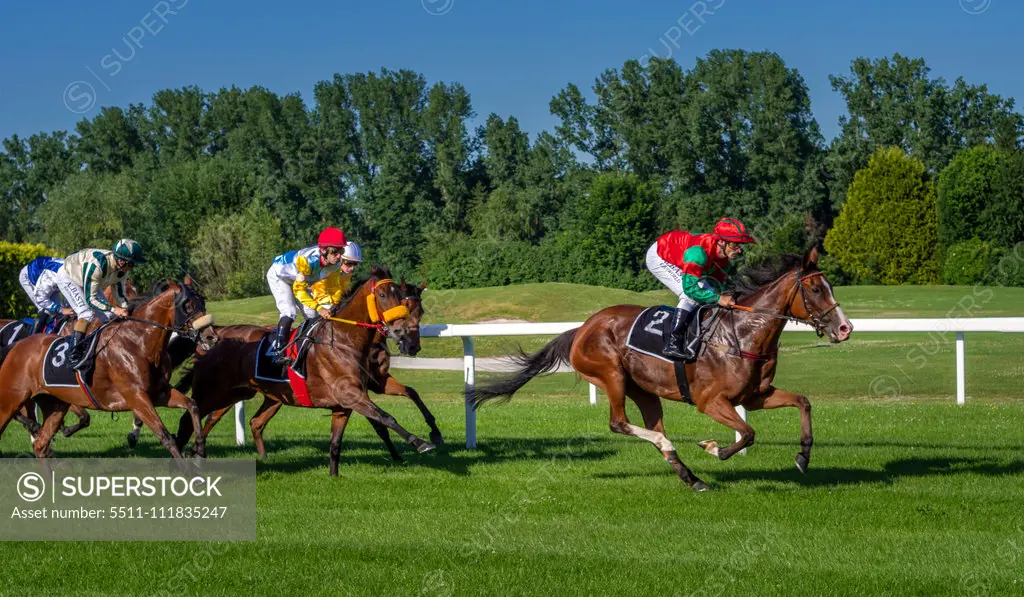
(58, 368)
(296, 349)
(652, 329)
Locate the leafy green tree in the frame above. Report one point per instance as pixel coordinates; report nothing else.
(965, 187)
(612, 226)
(887, 229)
(894, 102)
(232, 252)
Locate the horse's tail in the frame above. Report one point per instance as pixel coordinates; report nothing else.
(545, 361)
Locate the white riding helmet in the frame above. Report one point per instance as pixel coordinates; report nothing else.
(352, 252)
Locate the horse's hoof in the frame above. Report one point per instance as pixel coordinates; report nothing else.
(801, 463)
(699, 486)
(436, 438)
(425, 447)
(66, 431)
(132, 441)
(710, 446)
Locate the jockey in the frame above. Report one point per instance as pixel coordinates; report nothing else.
(291, 275)
(695, 268)
(83, 279)
(38, 278)
(328, 292)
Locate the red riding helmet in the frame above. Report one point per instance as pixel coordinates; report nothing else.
(733, 231)
(331, 237)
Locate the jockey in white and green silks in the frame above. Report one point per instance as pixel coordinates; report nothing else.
(84, 278)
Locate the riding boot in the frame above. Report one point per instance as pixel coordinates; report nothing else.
(78, 347)
(284, 329)
(676, 347)
(42, 319)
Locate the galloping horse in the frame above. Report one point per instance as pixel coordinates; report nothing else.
(736, 368)
(338, 368)
(27, 414)
(131, 372)
(381, 382)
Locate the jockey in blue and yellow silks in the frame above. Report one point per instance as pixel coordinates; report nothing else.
(292, 275)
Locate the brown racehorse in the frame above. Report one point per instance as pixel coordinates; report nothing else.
(381, 382)
(26, 415)
(338, 370)
(736, 367)
(132, 368)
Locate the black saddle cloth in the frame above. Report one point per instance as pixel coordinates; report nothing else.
(57, 365)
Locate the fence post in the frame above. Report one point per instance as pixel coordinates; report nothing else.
(743, 415)
(469, 376)
(961, 386)
(239, 423)
(593, 394)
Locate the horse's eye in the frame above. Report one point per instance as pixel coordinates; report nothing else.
(816, 290)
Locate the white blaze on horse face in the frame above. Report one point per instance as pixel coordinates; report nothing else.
(658, 439)
(843, 326)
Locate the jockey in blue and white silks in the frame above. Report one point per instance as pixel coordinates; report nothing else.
(39, 279)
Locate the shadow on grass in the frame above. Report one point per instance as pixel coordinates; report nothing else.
(294, 455)
(891, 472)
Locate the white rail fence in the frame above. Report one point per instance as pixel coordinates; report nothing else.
(467, 332)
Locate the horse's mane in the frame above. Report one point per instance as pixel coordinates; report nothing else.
(377, 271)
(755, 277)
(138, 300)
(158, 288)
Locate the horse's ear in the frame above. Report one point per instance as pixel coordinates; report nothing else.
(811, 258)
(423, 286)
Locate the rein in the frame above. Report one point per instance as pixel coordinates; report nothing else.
(815, 320)
(379, 320)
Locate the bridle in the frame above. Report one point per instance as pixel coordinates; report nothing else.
(189, 319)
(815, 320)
(378, 320)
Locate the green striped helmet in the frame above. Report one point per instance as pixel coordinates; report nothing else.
(129, 250)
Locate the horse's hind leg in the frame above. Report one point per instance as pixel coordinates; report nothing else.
(778, 398)
(213, 418)
(259, 421)
(83, 421)
(393, 387)
(652, 412)
(26, 415)
(722, 410)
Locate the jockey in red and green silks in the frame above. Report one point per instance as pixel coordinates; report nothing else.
(695, 267)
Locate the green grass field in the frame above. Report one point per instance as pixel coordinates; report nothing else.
(907, 493)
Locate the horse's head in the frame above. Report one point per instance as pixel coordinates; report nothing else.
(413, 301)
(814, 302)
(387, 304)
(190, 314)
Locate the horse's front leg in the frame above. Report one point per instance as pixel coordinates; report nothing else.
(776, 398)
(392, 387)
(722, 410)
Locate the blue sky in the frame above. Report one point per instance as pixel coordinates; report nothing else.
(512, 57)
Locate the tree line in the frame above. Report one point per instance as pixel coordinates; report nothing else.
(218, 183)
